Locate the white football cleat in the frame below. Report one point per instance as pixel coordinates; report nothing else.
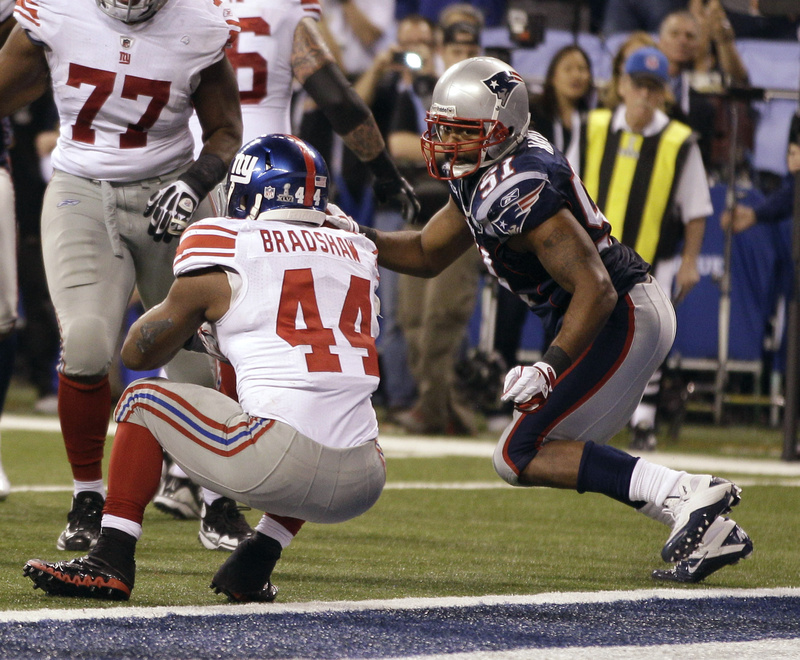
(698, 500)
(724, 544)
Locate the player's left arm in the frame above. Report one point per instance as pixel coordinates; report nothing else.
(569, 256)
(156, 336)
(216, 101)
(316, 70)
(565, 250)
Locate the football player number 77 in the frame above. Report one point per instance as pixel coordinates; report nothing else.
(354, 322)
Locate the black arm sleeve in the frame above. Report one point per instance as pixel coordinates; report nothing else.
(336, 98)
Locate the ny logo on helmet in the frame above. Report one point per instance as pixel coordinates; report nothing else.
(242, 168)
(502, 83)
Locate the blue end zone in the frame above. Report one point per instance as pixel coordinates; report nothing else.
(375, 633)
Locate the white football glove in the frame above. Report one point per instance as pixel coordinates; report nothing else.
(339, 219)
(171, 207)
(528, 387)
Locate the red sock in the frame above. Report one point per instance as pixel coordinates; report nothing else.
(84, 411)
(291, 524)
(134, 472)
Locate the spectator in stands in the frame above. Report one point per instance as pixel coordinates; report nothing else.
(717, 48)
(491, 12)
(559, 111)
(627, 150)
(609, 95)
(698, 41)
(434, 313)
(380, 87)
(777, 206)
(632, 15)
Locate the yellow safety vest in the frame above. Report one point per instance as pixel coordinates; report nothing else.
(632, 179)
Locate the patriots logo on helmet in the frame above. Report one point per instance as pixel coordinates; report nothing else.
(502, 83)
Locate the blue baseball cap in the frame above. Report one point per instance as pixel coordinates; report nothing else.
(648, 62)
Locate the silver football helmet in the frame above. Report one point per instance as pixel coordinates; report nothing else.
(478, 114)
(130, 11)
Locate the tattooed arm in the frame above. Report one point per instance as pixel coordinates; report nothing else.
(568, 254)
(316, 70)
(161, 332)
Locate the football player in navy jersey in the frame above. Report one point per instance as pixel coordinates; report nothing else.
(539, 233)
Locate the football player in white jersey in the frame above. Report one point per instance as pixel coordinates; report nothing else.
(279, 43)
(290, 301)
(126, 77)
(8, 252)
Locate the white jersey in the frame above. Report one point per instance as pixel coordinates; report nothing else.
(300, 332)
(262, 59)
(123, 92)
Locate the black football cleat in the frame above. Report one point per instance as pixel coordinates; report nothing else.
(85, 577)
(245, 576)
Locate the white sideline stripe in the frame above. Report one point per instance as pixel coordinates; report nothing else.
(556, 598)
(774, 649)
(430, 447)
(454, 485)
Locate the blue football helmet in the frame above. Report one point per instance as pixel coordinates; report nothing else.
(277, 177)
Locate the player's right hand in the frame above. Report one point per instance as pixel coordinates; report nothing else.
(171, 209)
(529, 387)
(339, 219)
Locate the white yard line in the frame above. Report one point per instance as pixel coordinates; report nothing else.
(558, 598)
(434, 447)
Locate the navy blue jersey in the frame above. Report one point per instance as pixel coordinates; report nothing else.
(517, 195)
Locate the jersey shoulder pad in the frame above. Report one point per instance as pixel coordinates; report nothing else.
(209, 242)
(33, 14)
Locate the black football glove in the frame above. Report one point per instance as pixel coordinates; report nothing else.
(171, 209)
(400, 191)
(390, 186)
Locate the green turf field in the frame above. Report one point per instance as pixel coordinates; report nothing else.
(418, 541)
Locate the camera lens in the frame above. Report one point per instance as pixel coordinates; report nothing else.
(413, 61)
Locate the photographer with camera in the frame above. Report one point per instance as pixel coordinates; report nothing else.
(393, 70)
(434, 313)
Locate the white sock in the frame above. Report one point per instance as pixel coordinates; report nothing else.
(651, 482)
(93, 486)
(122, 524)
(209, 496)
(275, 530)
(176, 471)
